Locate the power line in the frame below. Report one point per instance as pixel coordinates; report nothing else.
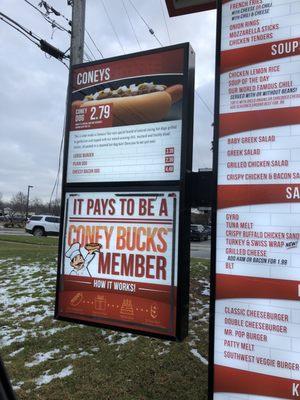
(99, 51)
(146, 23)
(113, 28)
(19, 30)
(133, 30)
(51, 21)
(56, 183)
(59, 162)
(90, 50)
(51, 10)
(28, 31)
(204, 102)
(88, 58)
(162, 10)
(64, 64)
(42, 44)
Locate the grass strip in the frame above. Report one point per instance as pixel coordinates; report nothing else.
(103, 365)
(40, 241)
(26, 252)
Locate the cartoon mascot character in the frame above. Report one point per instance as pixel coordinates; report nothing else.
(80, 263)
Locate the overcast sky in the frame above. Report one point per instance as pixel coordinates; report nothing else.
(33, 86)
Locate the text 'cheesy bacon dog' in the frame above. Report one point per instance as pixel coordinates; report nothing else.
(136, 104)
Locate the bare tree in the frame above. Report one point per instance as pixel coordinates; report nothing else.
(18, 203)
(55, 207)
(38, 207)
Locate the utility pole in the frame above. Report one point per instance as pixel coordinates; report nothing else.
(78, 29)
(77, 39)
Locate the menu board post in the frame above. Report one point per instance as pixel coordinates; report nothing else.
(124, 242)
(255, 315)
(215, 147)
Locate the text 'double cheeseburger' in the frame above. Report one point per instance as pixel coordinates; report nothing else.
(136, 104)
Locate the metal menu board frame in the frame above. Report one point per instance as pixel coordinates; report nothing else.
(189, 7)
(255, 307)
(154, 128)
(155, 189)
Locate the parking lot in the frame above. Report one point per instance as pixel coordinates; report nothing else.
(201, 249)
(13, 231)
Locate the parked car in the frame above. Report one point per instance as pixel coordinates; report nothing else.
(197, 233)
(207, 229)
(14, 221)
(18, 218)
(43, 225)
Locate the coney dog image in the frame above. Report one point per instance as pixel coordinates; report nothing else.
(92, 247)
(76, 300)
(136, 104)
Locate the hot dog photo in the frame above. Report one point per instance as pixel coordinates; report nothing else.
(128, 102)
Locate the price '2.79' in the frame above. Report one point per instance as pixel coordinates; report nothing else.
(100, 112)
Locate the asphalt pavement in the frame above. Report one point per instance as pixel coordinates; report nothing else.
(200, 249)
(13, 231)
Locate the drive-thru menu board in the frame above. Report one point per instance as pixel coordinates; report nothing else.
(125, 191)
(257, 307)
(119, 263)
(126, 119)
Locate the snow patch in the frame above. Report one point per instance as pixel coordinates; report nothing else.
(47, 378)
(14, 353)
(198, 355)
(75, 356)
(17, 385)
(41, 357)
(125, 338)
(163, 352)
